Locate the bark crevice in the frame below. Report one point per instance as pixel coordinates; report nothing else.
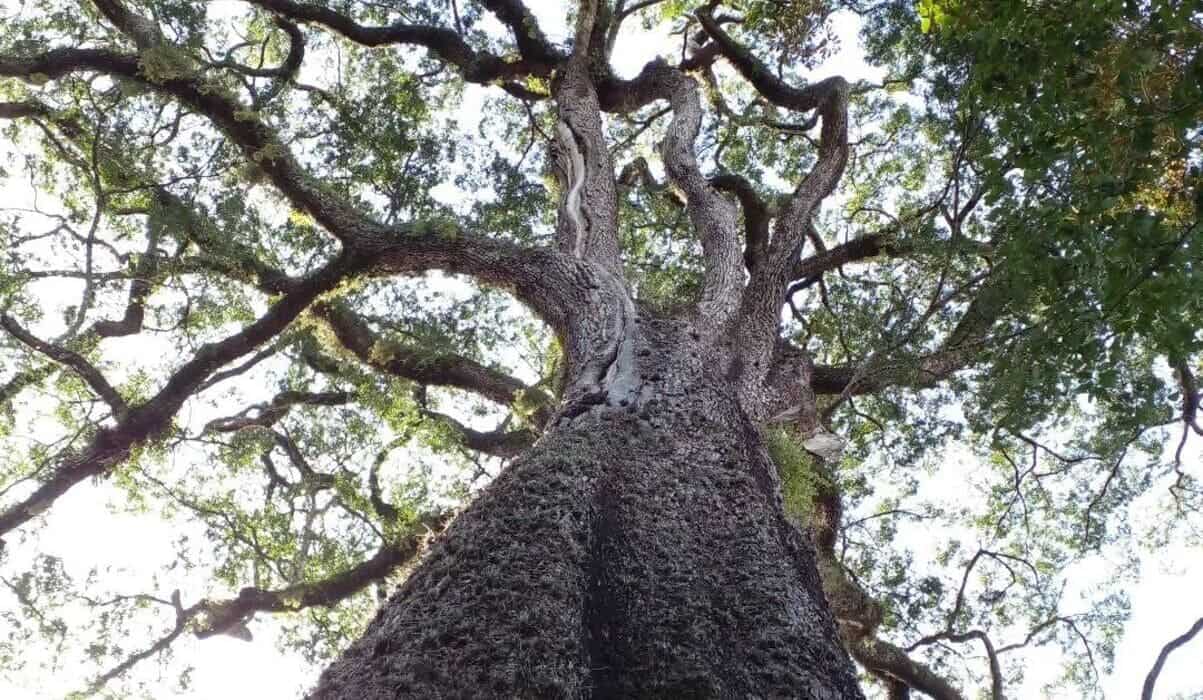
(638, 550)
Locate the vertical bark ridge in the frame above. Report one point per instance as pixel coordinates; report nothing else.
(706, 590)
(639, 550)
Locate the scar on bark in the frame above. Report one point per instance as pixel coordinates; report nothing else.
(571, 163)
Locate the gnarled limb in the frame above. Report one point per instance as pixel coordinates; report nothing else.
(761, 302)
(713, 216)
(809, 270)
(588, 219)
(475, 66)
(532, 42)
(499, 442)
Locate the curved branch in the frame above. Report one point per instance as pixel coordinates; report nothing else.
(86, 370)
(222, 617)
(498, 442)
(439, 369)
(446, 44)
(1146, 691)
(712, 215)
(532, 43)
(762, 298)
(963, 344)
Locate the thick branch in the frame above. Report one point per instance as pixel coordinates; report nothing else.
(268, 414)
(588, 217)
(761, 303)
(209, 618)
(424, 367)
(807, 271)
(532, 43)
(222, 616)
(446, 44)
(498, 442)
(756, 216)
(1146, 691)
(884, 659)
(713, 216)
(257, 140)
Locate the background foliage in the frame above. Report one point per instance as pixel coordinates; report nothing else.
(1031, 166)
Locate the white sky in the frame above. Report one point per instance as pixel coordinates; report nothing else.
(83, 531)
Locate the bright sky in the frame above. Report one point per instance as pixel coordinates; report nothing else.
(85, 532)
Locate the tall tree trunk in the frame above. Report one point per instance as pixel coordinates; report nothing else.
(639, 550)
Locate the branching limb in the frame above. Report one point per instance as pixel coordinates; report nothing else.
(551, 286)
(159, 646)
(86, 370)
(209, 618)
(446, 44)
(140, 424)
(532, 42)
(499, 442)
(828, 100)
(1190, 411)
(959, 349)
(427, 368)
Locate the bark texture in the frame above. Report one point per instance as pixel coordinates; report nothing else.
(640, 549)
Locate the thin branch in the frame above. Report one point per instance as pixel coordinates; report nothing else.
(86, 370)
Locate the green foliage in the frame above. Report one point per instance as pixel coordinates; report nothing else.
(800, 483)
(164, 63)
(1074, 126)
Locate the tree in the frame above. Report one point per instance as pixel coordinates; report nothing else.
(747, 303)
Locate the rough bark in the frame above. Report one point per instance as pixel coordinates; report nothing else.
(640, 549)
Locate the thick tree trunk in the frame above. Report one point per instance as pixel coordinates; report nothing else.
(639, 550)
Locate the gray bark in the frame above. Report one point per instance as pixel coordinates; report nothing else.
(640, 549)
